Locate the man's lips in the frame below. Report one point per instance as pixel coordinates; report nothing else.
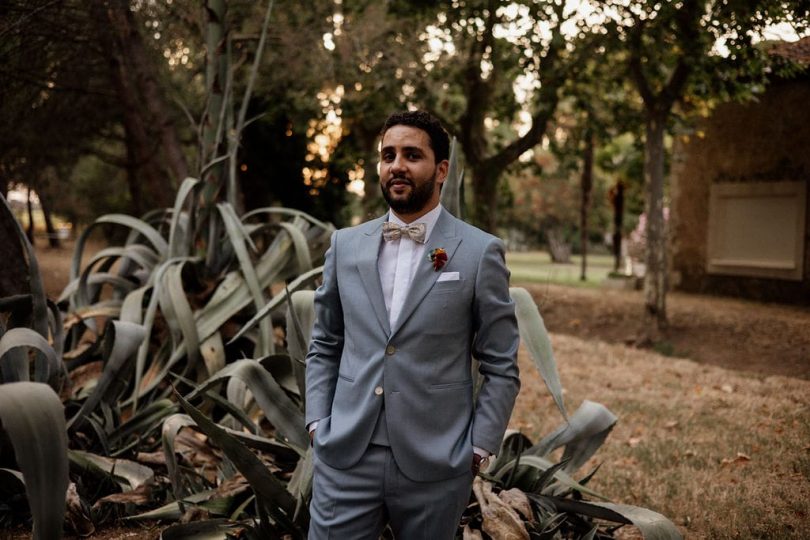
(399, 183)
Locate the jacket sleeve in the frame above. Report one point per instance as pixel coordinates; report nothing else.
(495, 346)
(326, 345)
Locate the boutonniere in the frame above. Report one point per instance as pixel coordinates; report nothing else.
(438, 257)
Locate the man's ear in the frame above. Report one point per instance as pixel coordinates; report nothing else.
(441, 171)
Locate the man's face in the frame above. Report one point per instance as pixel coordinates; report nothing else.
(409, 174)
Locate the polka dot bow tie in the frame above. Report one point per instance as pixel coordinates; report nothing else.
(414, 231)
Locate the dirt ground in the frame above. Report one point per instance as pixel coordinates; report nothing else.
(764, 339)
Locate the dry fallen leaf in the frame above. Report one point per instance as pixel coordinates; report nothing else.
(471, 534)
(671, 424)
(633, 441)
(519, 501)
(499, 520)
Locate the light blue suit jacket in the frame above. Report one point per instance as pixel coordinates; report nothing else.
(423, 363)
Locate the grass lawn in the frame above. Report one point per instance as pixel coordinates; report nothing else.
(723, 454)
(536, 267)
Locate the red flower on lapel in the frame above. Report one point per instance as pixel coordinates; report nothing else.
(438, 257)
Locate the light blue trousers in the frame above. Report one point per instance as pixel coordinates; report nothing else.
(357, 503)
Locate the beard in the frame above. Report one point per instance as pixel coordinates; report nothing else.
(415, 200)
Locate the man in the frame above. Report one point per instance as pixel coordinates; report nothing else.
(401, 311)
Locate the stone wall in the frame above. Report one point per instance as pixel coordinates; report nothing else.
(763, 141)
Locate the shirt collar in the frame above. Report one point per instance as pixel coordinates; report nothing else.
(428, 219)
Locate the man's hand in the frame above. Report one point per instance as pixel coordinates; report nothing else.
(311, 437)
(477, 462)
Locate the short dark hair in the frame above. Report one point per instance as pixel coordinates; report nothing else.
(437, 136)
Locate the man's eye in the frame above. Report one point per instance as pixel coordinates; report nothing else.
(414, 155)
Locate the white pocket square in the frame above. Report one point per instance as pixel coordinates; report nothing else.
(448, 276)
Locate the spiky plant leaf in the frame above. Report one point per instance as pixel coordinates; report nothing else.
(210, 529)
(171, 427)
(128, 474)
(238, 238)
(15, 366)
(583, 434)
(530, 469)
(300, 282)
(300, 320)
(121, 341)
(653, 526)
(143, 228)
(451, 190)
(272, 493)
(535, 337)
(178, 242)
(285, 416)
(32, 416)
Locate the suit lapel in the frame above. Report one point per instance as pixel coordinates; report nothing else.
(443, 236)
(367, 252)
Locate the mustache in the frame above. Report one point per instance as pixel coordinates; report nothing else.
(390, 182)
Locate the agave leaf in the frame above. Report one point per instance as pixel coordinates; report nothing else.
(653, 526)
(119, 284)
(300, 282)
(583, 434)
(276, 406)
(238, 238)
(530, 469)
(177, 247)
(270, 491)
(15, 367)
(213, 353)
(11, 483)
(281, 211)
(33, 418)
(535, 337)
(132, 307)
(173, 283)
(39, 314)
(302, 254)
(451, 190)
(171, 427)
(121, 341)
(300, 485)
(106, 257)
(300, 320)
(144, 421)
(210, 529)
(126, 473)
(513, 444)
(171, 511)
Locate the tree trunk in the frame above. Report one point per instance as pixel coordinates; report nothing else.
(142, 145)
(122, 21)
(29, 232)
(617, 199)
(655, 280)
(587, 185)
(53, 236)
(485, 198)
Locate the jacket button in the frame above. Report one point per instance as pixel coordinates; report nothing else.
(378, 391)
(390, 350)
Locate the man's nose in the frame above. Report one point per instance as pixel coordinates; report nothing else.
(398, 164)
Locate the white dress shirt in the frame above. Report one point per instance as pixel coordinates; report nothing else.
(398, 260)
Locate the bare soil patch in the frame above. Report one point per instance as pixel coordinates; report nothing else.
(764, 339)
